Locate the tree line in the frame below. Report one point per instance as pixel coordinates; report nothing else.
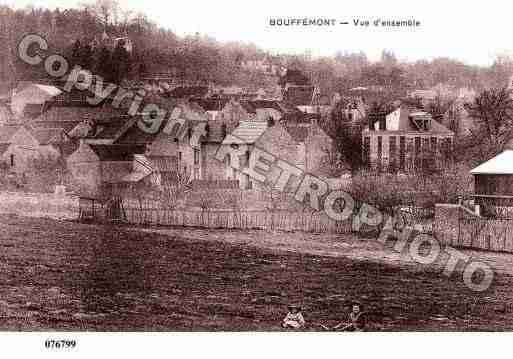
(201, 58)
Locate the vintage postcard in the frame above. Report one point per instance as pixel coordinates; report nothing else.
(310, 168)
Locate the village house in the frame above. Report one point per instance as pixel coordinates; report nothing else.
(304, 147)
(6, 116)
(406, 139)
(20, 148)
(32, 97)
(95, 167)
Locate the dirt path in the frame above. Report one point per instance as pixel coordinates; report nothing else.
(348, 246)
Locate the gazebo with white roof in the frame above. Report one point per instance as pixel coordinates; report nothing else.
(493, 181)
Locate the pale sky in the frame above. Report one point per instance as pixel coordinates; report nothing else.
(473, 33)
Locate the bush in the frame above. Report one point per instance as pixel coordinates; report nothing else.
(387, 191)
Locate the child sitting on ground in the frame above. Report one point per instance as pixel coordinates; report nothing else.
(356, 321)
(294, 319)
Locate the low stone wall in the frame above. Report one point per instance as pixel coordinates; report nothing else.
(39, 205)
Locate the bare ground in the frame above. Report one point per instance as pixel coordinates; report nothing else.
(58, 275)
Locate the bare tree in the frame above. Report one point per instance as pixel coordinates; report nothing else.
(492, 111)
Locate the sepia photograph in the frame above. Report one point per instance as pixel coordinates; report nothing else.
(286, 172)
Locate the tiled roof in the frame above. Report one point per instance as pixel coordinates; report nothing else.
(247, 132)
(300, 117)
(3, 148)
(188, 91)
(267, 104)
(67, 126)
(298, 133)
(33, 110)
(67, 148)
(136, 135)
(405, 123)
(111, 129)
(211, 104)
(298, 95)
(117, 152)
(246, 105)
(47, 136)
(294, 77)
(79, 113)
(6, 133)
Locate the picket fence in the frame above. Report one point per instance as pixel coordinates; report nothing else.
(243, 219)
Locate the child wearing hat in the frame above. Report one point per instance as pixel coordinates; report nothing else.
(356, 321)
(294, 319)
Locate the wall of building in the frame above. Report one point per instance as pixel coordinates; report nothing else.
(380, 150)
(317, 145)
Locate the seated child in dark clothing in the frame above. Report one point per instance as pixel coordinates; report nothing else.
(356, 321)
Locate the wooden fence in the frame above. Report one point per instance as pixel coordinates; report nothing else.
(244, 219)
(458, 227)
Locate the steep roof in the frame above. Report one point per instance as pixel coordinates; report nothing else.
(188, 91)
(47, 136)
(299, 117)
(295, 77)
(298, 133)
(3, 148)
(246, 133)
(298, 95)
(111, 129)
(79, 113)
(6, 133)
(211, 104)
(117, 152)
(500, 164)
(246, 105)
(67, 126)
(267, 104)
(400, 120)
(135, 135)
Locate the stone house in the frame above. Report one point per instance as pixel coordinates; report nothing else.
(93, 167)
(20, 148)
(304, 146)
(407, 140)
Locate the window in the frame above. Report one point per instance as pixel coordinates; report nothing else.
(366, 150)
(402, 152)
(417, 153)
(179, 156)
(249, 184)
(392, 150)
(382, 123)
(196, 156)
(223, 130)
(380, 150)
(12, 160)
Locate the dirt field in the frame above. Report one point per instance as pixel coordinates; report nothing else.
(68, 276)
